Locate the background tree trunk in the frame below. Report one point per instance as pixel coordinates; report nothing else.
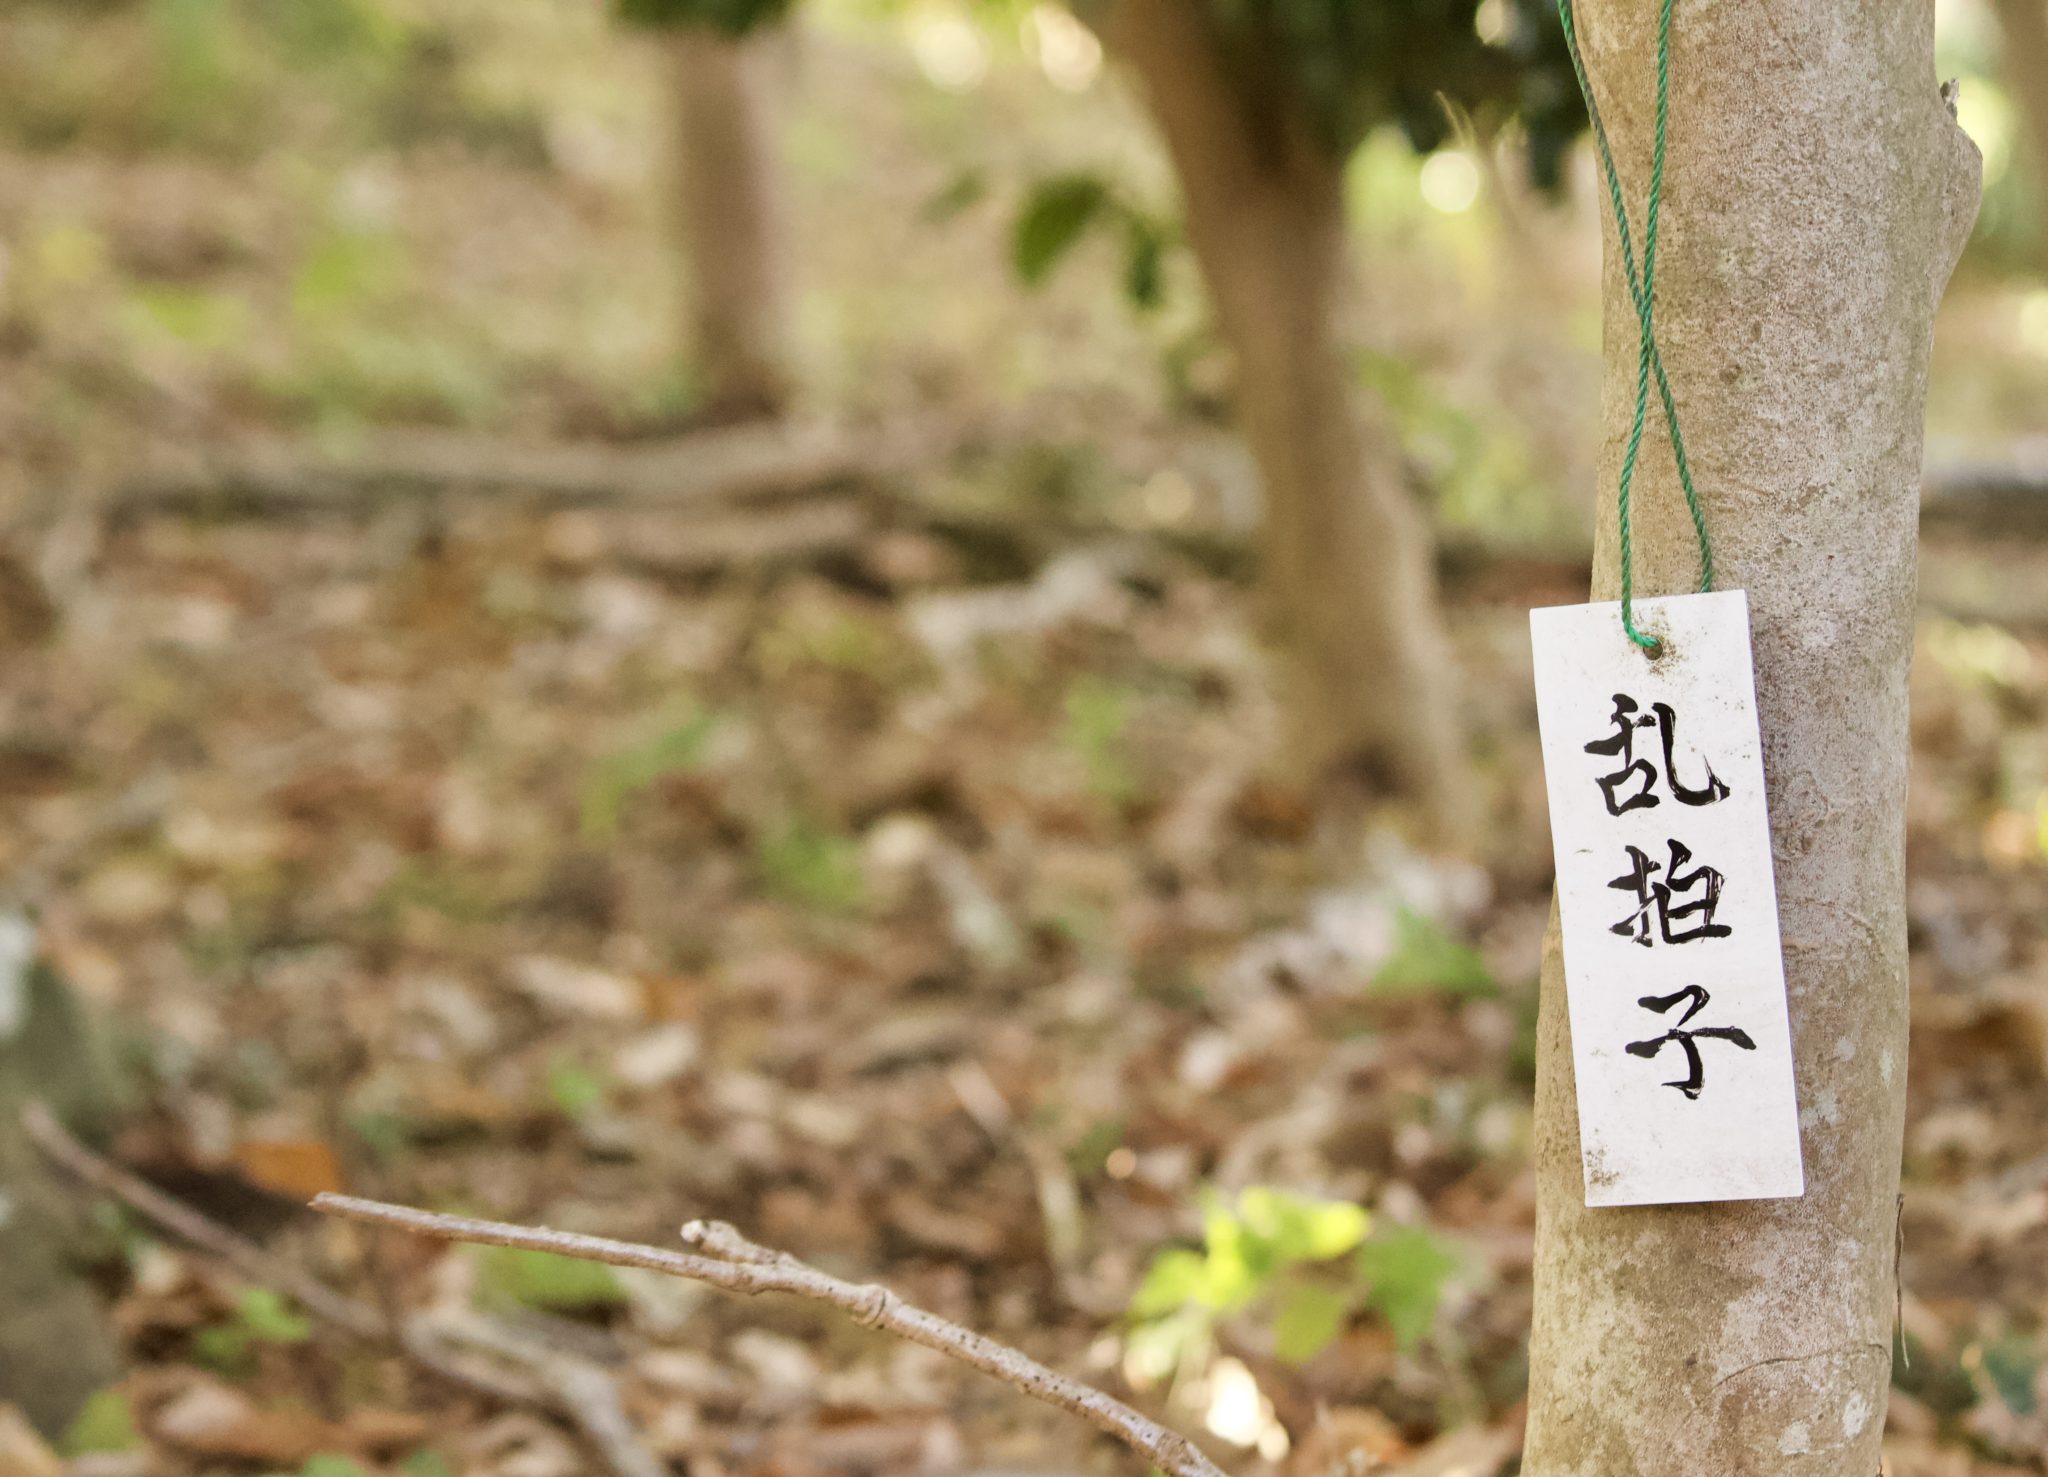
(2024, 25)
(733, 219)
(1817, 196)
(1349, 586)
(56, 1343)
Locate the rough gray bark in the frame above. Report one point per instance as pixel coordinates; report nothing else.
(1350, 590)
(731, 212)
(1817, 196)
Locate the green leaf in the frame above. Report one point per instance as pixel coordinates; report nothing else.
(555, 1284)
(106, 1422)
(426, 1462)
(1055, 214)
(1427, 960)
(1301, 1229)
(1405, 1269)
(270, 1319)
(808, 864)
(574, 1088)
(1154, 1351)
(966, 189)
(331, 1464)
(729, 17)
(1144, 262)
(344, 269)
(1175, 1279)
(2012, 1365)
(616, 779)
(1098, 720)
(1308, 1321)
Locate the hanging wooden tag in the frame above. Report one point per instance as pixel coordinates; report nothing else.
(1674, 978)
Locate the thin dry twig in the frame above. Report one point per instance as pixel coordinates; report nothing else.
(574, 1388)
(725, 1259)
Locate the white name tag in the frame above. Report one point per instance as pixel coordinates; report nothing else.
(1674, 978)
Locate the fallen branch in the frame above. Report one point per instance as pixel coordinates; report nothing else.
(278, 477)
(725, 1259)
(573, 1388)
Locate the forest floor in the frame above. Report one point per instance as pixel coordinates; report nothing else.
(887, 863)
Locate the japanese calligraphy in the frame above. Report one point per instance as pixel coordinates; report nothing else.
(1696, 1000)
(1667, 905)
(1658, 896)
(1622, 744)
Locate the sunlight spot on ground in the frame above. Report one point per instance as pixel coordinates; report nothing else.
(1235, 1409)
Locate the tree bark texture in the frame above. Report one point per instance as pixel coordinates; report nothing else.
(1817, 195)
(1350, 590)
(732, 216)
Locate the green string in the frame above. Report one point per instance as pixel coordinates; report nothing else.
(1642, 289)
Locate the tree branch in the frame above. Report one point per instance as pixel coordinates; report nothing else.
(725, 1259)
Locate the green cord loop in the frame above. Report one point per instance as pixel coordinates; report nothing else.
(1642, 289)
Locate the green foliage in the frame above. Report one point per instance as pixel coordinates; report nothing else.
(574, 1088)
(1427, 960)
(1055, 214)
(211, 75)
(1098, 720)
(1307, 1266)
(1350, 67)
(188, 316)
(345, 269)
(1059, 213)
(2011, 1366)
(1307, 1322)
(620, 777)
(105, 1423)
(1263, 1249)
(1478, 469)
(553, 1284)
(728, 17)
(1404, 1270)
(331, 1464)
(260, 1317)
(808, 864)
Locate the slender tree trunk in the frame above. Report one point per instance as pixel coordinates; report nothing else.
(56, 1340)
(2025, 27)
(733, 219)
(1817, 196)
(1349, 586)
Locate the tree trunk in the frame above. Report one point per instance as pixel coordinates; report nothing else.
(1817, 196)
(733, 220)
(1349, 585)
(2024, 24)
(56, 1341)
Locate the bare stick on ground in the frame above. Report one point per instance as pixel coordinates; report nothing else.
(723, 1258)
(574, 1388)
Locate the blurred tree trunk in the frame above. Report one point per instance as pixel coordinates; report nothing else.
(1817, 197)
(1349, 584)
(731, 214)
(2025, 27)
(56, 1344)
